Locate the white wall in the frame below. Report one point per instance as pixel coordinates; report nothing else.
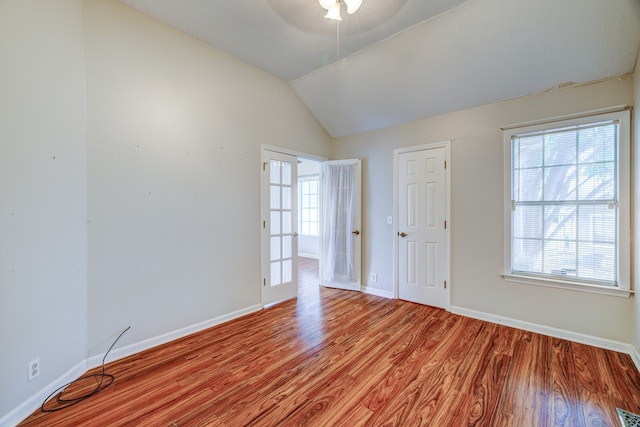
(174, 138)
(42, 194)
(636, 212)
(477, 210)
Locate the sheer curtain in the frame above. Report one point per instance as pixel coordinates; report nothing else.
(339, 204)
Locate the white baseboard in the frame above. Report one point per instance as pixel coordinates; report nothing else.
(547, 330)
(26, 408)
(377, 292)
(131, 349)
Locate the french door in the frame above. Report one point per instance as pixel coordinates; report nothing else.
(340, 225)
(279, 227)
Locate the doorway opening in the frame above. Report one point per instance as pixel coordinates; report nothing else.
(309, 225)
(310, 212)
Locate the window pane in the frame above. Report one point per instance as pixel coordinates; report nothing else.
(560, 183)
(286, 173)
(314, 229)
(597, 223)
(597, 181)
(597, 261)
(275, 171)
(286, 222)
(313, 186)
(286, 247)
(275, 197)
(597, 144)
(276, 273)
(528, 185)
(527, 222)
(560, 222)
(306, 230)
(560, 258)
(560, 148)
(527, 255)
(275, 222)
(286, 197)
(275, 248)
(287, 271)
(529, 152)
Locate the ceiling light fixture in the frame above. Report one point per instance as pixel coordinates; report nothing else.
(333, 8)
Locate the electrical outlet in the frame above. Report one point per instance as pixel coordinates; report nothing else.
(34, 369)
(373, 277)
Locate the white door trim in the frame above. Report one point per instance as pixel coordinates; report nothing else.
(266, 147)
(396, 155)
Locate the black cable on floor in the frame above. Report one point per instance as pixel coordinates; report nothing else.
(101, 385)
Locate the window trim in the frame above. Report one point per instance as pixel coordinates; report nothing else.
(624, 204)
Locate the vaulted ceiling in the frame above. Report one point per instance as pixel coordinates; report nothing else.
(395, 61)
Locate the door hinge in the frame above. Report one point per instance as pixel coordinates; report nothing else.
(264, 224)
(264, 282)
(445, 284)
(445, 164)
(264, 166)
(445, 224)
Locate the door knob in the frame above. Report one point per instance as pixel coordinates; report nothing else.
(403, 234)
(357, 232)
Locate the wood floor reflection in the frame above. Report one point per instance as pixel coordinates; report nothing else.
(340, 358)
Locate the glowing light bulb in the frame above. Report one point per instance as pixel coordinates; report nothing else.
(334, 13)
(352, 5)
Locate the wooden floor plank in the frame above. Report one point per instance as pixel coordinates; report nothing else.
(340, 358)
(566, 410)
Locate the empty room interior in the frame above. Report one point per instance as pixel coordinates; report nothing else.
(319, 212)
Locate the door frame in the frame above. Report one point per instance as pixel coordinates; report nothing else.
(447, 267)
(297, 154)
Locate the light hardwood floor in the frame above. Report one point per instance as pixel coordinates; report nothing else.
(339, 358)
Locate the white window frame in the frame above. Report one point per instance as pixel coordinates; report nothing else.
(624, 204)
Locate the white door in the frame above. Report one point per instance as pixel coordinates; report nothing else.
(422, 253)
(279, 225)
(341, 233)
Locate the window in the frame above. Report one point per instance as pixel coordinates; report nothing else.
(567, 203)
(309, 221)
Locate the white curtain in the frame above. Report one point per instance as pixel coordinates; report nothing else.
(339, 203)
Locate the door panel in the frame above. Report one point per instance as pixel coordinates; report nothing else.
(341, 233)
(421, 227)
(280, 243)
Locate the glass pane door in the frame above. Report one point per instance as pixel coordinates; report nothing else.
(279, 209)
(280, 225)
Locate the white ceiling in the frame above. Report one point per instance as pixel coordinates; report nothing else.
(401, 60)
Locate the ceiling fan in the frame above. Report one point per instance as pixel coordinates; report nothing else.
(333, 8)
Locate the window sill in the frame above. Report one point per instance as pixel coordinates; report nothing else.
(560, 284)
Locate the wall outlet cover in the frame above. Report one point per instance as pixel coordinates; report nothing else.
(34, 369)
